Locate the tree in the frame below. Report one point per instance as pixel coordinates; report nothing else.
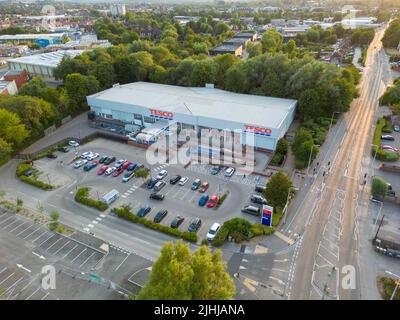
(68, 66)
(12, 131)
(54, 216)
(379, 188)
(204, 71)
(282, 146)
(309, 104)
(142, 173)
(79, 86)
(391, 38)
(313, 35)
(179, 275)
(271, 41)
(277, 189)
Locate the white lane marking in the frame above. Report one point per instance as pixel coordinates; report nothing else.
(61, 247)
(79, 255)
(4, 280)
(32, 293)
(87, 259)
(116, 269)
(33, 232)
(69, 251)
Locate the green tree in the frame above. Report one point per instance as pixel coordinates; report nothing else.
(277, 189)
(391, 38)
(379, 187)
(179, 275)
(282, 146)
(12, 131)
(271, 41)
(79, 86)
(54, 216)
(309, 104)
(142, 173)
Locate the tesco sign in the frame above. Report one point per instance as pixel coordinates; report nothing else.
(258, 130)
(161, 114)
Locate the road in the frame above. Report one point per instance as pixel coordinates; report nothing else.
(326, 220)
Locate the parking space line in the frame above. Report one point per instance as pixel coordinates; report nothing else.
(33, 232)
(86, 260)
(70, 251)
(16, 220)
(33, 293)
(13, 285)
(116, 269)
(3, 214)
(5, 268)
(19, 226)
(53, 244)
(7, 219)
(40, 235)
(47, 239)
(45, 296)
(24, 230)
(61, 247)
(7, 277)
(79, 255)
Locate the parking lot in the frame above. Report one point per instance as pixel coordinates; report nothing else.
(84, 270)
(179, 200)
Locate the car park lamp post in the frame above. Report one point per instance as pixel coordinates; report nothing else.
(397, 281)
(373, 159)
(333, 114)
(287, 203)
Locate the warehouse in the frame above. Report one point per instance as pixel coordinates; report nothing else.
(144, 104)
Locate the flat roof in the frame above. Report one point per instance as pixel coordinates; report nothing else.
(200, 101)
(226, 47)
(49, 59)
(31, 36)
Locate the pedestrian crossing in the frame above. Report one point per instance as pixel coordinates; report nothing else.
(130, 191)
(163, 166)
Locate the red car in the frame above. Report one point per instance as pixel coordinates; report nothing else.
(117, 172)
(102, 170)
(212, 201)
(203, 187)
(126, 165)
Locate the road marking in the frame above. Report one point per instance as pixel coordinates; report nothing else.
(284, 238)
(47, 239)
(98, 219)
(61, 248)
(45, 296)
(79, 254)
(7, 278)
(13, 285)
(3, 270)
(102, 215)
(40, 236)
(87, 259)
(38, 255)
(54, 243)
(277, 280)
(17, 220)
(32, 293)
(18, 226)
(69, 251)
(31, 233)
(116, 269)
(6, 219)
(24, 230)
(23, 268)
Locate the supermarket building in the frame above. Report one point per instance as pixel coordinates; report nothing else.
(150, 106)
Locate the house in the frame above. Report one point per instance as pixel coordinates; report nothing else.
(19, 77)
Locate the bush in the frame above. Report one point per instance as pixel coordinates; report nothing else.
(125, 213)
(379, 187)
(82, 196)
(36, 183)
(22, 168)
(277, 159)
(221, 199)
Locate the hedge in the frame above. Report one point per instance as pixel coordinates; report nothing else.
(382, 155)
(31, 180)
(82, 196)
(221, 199)
(126, 214)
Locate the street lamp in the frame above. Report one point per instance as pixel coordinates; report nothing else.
(330, 125)
(287, 203)
(396, 281)
(309, 159)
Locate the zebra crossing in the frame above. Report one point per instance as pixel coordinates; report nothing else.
(163, 166)
(130, 191)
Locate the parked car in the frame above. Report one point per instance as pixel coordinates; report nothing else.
(138, 167)
(119, 163)
(128, 176)
(157, 196)
(110, 171)
(162, 174)
(28, 172)
(229, 172)
(102, 170)
(196, 184)
(259, 188)
(51, 156)
(117, 172)
(183, 181)
(92, 156)
(213, 231)
(90, 166)
(160, 215)
(255, 211)
(177, 221)
(203, 187)
(86, 154)
(194, 225)
(73, 143)
(258, 199)
(215, 170)
(159, 185)
(109, 160)
(387, 137)
(212, 201)
(131, 167)
(175, 179)
(126, 165)
(151, 183)
(390, 148)
(102, 159)
(143, 211)
(63, 149)
(396, 128)
(203, 200)
(80, 163)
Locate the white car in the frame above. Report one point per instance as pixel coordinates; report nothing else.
(92, 156)
(183, 181)
(120, 162)
(73, 143)
(390, 148)
(110, 170)
(162, 174)
(229, 172)
(86, 154)
(80, 163)
(213, 231)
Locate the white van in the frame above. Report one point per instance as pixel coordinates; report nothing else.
(213, 231)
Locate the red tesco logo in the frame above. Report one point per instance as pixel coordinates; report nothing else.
(258, 129)
(160, 113)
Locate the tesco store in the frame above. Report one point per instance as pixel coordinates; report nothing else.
(151, 106)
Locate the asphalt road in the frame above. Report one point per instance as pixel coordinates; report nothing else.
(327, 218)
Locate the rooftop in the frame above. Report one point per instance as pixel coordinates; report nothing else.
(226, 47)
(200, 101)
(50, 59)
(31, 36)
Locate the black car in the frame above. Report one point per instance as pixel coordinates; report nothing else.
(28, 172)
(151, 183)
(157, 196)
(143, 211)
(215, 170)
(63, 149)
(138, 167)
(51, 156)
(160, 216)
(102, 159)
(194, 225)
(175, 179)
(387, 137)
(259, 188)
(177, 221)
(109, 160)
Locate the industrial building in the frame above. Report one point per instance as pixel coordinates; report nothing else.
(246, 119)
(41, 64)
(41, 39)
